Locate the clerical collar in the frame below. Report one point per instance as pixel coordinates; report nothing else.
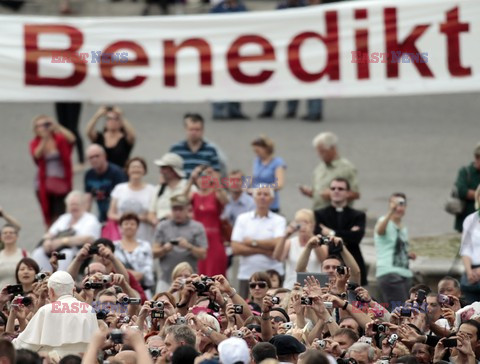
(339, 209)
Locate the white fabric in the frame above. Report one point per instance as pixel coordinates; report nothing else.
(7, 267)
(65, 332)
(234, 350)
(129, 200)
(314, 266)
(249, 225)
(263, 55)
(61, 277)
(471, 238)
(87, 225)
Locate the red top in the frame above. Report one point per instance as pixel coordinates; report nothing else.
(65, 150)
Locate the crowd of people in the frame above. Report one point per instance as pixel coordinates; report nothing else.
(128, 272)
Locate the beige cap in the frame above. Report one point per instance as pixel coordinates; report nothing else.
(179, 200)
(172, 160)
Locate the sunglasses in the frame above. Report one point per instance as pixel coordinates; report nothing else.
(257, 328)
(44, 125)
(278, 319)
(337, 188)
(261, 285)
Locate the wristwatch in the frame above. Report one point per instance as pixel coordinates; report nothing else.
(330, 320)
(254, 243)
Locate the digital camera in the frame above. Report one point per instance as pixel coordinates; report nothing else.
(275, 300)
(116, 336)
(307, 301)
(238, 309)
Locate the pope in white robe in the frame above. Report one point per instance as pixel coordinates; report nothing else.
(65, 325)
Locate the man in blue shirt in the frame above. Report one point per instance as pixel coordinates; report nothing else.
(240, 201)
(195, 150)
(101, 179)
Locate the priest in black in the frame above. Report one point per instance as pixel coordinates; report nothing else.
(340, 220)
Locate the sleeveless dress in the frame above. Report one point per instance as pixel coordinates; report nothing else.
(207, 211)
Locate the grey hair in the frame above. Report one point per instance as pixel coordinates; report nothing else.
(362, 347)
(61, 289)
(182, 333)
(327, 139)
(74, 194)
(270, 189)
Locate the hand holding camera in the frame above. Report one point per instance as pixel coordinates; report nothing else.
(267, 304)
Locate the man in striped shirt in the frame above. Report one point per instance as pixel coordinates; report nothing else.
(195, 150)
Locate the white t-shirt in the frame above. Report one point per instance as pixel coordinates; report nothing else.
(138, 202)
(7, 267)
(314, 266)
(87, 225)
(249, 225)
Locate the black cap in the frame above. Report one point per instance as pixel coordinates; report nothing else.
(287, 345)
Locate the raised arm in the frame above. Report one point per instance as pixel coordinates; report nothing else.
(381, 227)
(9, 219)
(92, 123)
(302, 262)
(351, 263)
(280, 252)
(65, 132)
(127, 126)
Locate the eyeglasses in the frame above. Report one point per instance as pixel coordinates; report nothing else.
(278, 319)
(94, 156)
(261, 285)
(337, 188)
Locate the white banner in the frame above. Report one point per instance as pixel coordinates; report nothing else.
(349, 49)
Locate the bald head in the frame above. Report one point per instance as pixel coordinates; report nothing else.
(97, 158)
(126, 357)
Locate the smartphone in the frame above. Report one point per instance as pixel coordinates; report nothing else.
(174, 242)
(421, 295)
(406, 312)
(450, 343)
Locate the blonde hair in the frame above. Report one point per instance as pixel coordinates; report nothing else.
(179, 267)
(307, 213)
(39, 117)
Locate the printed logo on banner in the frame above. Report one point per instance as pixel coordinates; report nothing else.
(84, 57)
(389, 57)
